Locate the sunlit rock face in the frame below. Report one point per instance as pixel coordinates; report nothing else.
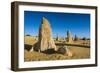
(69, 37)
(45, 41)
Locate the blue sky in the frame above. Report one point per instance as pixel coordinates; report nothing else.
(77, 24)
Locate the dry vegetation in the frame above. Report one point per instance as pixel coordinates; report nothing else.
(36, 56)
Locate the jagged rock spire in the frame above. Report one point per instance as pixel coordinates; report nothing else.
(45, 36)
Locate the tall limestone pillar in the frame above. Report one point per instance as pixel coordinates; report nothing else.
(45, 41)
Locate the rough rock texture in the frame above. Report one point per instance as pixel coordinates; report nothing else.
(45, 40)
(69, 37)
(64, 50)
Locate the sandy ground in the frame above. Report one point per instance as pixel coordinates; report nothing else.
(78, 53)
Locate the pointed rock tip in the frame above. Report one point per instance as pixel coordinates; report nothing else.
(43, 18)
(44, 21)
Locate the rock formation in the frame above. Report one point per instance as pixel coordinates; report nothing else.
(76, 38)
(45, 40)
(69, 37)
(57, 38)
(64, 50)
